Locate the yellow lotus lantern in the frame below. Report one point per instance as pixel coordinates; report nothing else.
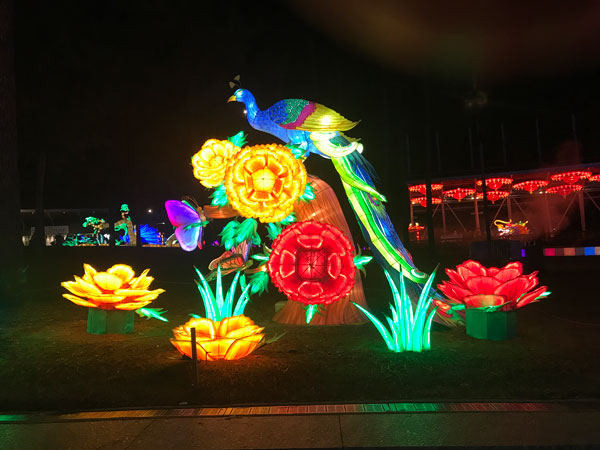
(115, 289)
(211, 161)
(231, 338)
(264, 182)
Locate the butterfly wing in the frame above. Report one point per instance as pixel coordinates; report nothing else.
(181, 214)
(186, 221)
(188, 237)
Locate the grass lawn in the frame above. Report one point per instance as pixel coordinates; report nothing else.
(49, 362)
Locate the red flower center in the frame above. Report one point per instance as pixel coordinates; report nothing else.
(311, 264)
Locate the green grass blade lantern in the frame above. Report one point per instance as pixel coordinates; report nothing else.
(408, 330)
(218, 307)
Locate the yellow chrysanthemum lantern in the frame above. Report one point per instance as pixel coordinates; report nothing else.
(211, 161)
(111, 296)
(264, 182)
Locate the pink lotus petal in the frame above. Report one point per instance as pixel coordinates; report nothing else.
(528, 298)
(483, 285)
(513, 289)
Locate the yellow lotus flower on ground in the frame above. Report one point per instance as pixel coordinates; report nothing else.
(117, 288)
(211, 161)
(231, 338)
(264, 182)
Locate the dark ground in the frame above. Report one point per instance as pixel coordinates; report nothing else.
(49, 362)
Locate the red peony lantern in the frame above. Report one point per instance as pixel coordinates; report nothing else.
(422, 188)
(571, 177)
(312, 263)
(459, 193)
(530, 185)
(494, 196)
(564, 189)
(594, 177)
(476, 286)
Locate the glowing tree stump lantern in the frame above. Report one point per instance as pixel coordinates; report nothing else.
(312, 263)
(571, 177)
(489, 297)
(564, 189)
(459, 193)
(530, 185)
(111, 296)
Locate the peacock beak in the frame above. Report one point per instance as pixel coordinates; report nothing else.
(233, 98)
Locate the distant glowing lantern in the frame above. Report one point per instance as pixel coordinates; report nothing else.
(416, 228)
(564, 189)
(459, 193)
(264, 182)
(571, 177)
(530, 185)
(594, 178)
(117, 288)
(211, 161)
(423, 201)
(231, 338)
(422, 188)
(476, 286)
(494, 196)
(312, 263)
(495, 183)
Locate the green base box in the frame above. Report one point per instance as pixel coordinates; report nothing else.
(102, 321)
(495, 326)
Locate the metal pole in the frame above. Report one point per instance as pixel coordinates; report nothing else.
(509, 208)
(443, 219)
(581, 210)
(194, 358)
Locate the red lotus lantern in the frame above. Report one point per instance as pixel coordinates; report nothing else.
(530, 185)
(423, 201)
(312, 263)
(494, 196)
(571, 177)
(422, 188)
(564, 189)
(476, 286)
(495, 183)
(459, 193)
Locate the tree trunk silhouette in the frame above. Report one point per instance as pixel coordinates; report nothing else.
(325, 208)
(11, 261)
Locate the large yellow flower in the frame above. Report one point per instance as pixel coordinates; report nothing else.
(211, 161)
(231, 338)
(117, 288)
(264, 182)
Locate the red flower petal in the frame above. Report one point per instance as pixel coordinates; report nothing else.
(530, 297)
(482, 285)
(474, 267)
(507, 274)
(513, 289)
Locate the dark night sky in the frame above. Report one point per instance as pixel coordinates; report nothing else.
(121, 94)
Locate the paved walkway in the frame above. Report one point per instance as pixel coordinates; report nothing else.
(433, 425)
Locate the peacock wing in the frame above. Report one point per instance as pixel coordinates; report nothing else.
(298, 114)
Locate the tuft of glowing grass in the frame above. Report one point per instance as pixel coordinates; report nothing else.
(216, 306)
(408, 330)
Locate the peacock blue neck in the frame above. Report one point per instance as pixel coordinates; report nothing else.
(251, 106)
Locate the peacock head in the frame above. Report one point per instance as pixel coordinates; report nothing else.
(241, 95)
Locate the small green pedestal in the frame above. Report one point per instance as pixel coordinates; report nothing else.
(495, 326)
(102, 321)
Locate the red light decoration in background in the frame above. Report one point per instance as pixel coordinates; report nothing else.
(571, 177)
(594, 177)
(495, 183)
(530, 185)
(422, 188)
(564, 189)
(312, 263)
(494, 196)
(423, 201)
(459, 193)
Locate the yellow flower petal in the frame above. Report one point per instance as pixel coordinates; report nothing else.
(79, 301)
(131, 306)
(124, 272)
(106, 298)
(89, 288)
(89, 273)
(107, 281)
(132, 292)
